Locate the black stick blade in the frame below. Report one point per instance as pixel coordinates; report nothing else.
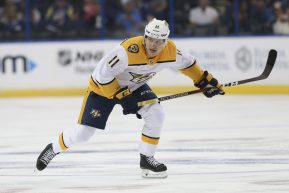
(270, 63)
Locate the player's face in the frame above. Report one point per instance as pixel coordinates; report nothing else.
(154, 46)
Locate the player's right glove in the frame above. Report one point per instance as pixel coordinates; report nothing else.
(127, 101)
(208, 81)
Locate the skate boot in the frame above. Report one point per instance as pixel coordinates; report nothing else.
(152, 168)
(45, 157)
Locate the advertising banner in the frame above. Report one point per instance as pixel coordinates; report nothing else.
(68, 65)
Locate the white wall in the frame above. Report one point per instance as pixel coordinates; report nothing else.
(69, 64)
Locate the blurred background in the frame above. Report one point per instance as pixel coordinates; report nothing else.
(27, 20)
(229, 37)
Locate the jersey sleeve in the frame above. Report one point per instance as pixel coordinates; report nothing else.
(103, 81)
(189, 66)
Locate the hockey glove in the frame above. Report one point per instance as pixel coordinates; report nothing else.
(207, 81)
(127, 101)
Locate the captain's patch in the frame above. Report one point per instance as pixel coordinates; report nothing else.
(133, 48)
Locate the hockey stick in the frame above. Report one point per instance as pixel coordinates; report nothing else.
(268, 68)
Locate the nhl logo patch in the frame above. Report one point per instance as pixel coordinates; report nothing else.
(133, 48)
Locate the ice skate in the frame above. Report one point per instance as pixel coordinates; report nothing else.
(45, 157)
(152, 168)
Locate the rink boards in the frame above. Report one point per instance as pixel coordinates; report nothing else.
(63, 68)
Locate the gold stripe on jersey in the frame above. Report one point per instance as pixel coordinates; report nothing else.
(61, 142)
(139, 57)
(88, 91)
(193, 71)
(150, 140)
(107, 90)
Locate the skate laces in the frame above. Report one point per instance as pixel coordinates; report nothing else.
(152, 161)
(47, 156)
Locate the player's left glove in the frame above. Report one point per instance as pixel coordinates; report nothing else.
(127, 101)
(208, 81)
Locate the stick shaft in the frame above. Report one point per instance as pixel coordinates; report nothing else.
(268, 68)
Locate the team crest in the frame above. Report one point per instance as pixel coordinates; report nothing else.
(139, 78)
(151, 62)
(95, 113)
(133, 48)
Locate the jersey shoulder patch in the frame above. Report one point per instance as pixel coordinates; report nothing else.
(133, 48)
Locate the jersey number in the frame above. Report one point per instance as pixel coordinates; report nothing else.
(113, 61)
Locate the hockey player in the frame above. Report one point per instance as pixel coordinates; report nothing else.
(121, 78)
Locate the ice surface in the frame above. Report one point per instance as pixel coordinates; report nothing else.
(228, 144)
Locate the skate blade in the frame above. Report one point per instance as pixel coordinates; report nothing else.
(150, 174)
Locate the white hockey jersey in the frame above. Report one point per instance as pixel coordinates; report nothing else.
(128, 65)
